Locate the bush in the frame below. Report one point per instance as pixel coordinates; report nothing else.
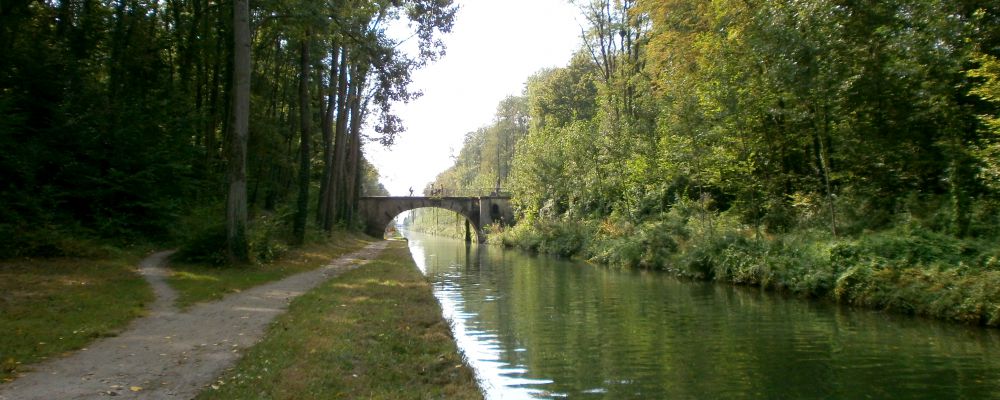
(522, 236)
(906, 246)
(205, 245)
(743, 261)
(649, 245)
(710, 256)
(911, 267)
(52, 241)
(958, 294)
(986, 219)
(561, 238)
(914, 270)
(267, 237)
(614, 244)
(801, 262)
(201, 237)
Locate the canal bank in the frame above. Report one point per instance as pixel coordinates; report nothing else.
(907, 269)
(373, 332)
(541, 327)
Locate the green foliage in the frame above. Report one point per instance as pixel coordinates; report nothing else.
(649, 245)
(201, 236)
(820, 147)
(904, 247)
(960, 292)
(267, 238)
(116, 115)
(561, 238)
(370, 185)
(907, 269)
(989, 90)
(487, 153)
(53, 241)
(96, 131)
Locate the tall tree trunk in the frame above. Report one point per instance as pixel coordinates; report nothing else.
(337, 187)
(211, 124)
(301, 215)
(199, 72)
(824, 154)
(236, 204)
(358, 75)
(324, 212)
(960, 177)
(325, 137)
(225, 56)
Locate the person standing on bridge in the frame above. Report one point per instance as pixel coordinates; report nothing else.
(411, 191)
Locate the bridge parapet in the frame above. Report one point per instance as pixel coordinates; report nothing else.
(480, 210)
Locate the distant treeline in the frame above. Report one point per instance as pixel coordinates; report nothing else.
(438, 222)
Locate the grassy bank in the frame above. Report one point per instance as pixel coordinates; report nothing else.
(375, 332)
(51, 306)
(907, 268)
(200, 282)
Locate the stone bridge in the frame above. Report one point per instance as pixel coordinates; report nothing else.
(377, 212)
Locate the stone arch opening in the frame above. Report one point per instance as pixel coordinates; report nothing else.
(378, 212)
(438, 221)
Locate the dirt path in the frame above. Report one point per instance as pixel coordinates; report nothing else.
(169, 354)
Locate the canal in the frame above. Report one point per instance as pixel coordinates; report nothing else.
(541, 327)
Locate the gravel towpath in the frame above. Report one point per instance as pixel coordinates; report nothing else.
(171, 354)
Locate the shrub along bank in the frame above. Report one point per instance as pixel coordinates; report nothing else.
(908, 268)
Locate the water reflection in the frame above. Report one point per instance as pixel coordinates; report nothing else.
(538, 327)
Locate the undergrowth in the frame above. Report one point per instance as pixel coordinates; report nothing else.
(909, 267)
(201, 236)
(197, 282)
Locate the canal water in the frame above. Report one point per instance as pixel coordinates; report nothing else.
(541, 327)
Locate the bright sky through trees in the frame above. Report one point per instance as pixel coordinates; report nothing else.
(494, 47)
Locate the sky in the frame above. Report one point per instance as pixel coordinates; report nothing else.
(494, 46)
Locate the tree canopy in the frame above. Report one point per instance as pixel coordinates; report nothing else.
(117, 115)
(840, 114)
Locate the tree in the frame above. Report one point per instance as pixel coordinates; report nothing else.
(989, 90)
(236, 204)
(305, 118)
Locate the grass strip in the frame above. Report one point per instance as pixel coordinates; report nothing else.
(52, 306)
(196, 283)
(375, 332)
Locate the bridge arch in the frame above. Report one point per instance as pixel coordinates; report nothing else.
(377, 212)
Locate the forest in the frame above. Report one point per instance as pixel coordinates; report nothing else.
(840, 149)
(224, 127)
